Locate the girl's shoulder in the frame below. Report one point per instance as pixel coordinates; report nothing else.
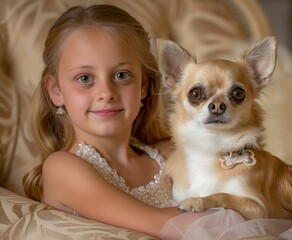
(66, 177)
(59, 159)
(64, 165)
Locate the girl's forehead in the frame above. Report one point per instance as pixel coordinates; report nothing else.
(104, 37)
(98, 34)
(96, 46)
(88, 34)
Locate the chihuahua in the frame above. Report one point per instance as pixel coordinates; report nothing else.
(217, 128)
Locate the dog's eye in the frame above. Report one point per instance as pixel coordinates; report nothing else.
(238, 94)
(195, 95)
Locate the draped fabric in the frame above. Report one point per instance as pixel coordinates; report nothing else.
(22, 218)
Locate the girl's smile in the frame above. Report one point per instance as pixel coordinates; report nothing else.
(106, 112)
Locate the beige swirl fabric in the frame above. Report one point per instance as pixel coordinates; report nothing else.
(14, 207)
(208, 29)
(17, 152)
(22, 218)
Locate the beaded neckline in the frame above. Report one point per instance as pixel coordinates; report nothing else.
(160, 185)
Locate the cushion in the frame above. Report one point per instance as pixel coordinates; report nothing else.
(22, 218)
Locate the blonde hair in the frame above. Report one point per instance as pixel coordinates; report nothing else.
(54, 132)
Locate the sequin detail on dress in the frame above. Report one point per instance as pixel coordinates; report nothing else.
(156, 193)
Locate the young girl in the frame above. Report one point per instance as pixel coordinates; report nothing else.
(98, 121)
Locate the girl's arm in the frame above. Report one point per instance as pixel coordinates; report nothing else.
(72, 182)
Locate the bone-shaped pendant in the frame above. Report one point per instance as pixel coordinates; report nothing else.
(229, 160)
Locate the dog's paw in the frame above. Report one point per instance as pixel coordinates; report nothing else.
(193, 205)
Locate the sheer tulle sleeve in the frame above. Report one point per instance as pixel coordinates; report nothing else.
(223, 224)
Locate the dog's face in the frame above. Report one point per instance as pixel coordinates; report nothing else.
(218, 94)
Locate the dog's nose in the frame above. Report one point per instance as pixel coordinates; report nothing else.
(217, 107)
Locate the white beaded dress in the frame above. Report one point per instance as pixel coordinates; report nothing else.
(156, 193)
(214, 224)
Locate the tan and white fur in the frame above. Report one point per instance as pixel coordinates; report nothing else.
(215, 114)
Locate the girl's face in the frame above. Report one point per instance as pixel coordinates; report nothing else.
(100, 83)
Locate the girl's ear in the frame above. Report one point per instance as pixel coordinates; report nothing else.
(53, 89)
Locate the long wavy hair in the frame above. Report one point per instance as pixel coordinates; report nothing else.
(54, 132)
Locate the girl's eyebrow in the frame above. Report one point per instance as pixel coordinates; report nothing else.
(91, 67)
(81, 67)
(124, 63)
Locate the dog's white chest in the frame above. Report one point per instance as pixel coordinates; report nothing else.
(204, 183)
(204, 178)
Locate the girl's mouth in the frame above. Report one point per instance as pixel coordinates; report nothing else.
(107, 112)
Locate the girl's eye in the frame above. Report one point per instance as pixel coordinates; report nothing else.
(85, 79)
(121, 76)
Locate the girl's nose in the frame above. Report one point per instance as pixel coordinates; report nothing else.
(106, 91)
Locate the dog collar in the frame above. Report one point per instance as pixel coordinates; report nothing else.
(230, 159)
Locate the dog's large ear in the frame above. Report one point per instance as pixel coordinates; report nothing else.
(172, 60)
(261, 60)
